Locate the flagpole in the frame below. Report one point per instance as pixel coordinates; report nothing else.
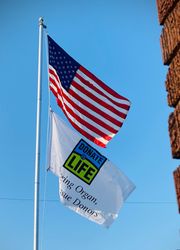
(38, 125)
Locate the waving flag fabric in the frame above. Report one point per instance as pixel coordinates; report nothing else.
(89, 183)
(93, 108)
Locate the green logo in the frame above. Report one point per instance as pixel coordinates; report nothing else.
(84, 162)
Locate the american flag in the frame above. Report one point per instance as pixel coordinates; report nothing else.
(94, 109)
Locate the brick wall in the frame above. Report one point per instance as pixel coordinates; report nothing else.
(164, 8)
(169, 18)
(174, 132)
(176, 174)
(173, 81)
(170, 36)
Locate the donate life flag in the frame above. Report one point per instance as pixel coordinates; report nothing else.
(89, 183)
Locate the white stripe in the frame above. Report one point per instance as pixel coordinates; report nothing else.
(54, 78)
(90, 132)
(91, 122)
(76, 111)
(50, 67)
(101, 97)
(121, 101)
(96, 104)
(54, 87)
(102, 118)
(120, 119)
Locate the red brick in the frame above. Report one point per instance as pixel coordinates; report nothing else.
(164, 8)
(173, 81)
(170, 36)
(176, 175)
(174, 132)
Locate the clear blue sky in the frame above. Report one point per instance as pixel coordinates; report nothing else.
(119, 42)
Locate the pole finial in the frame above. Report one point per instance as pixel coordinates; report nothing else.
(41, 20)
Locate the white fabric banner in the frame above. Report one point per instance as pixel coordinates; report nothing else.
(89, 183)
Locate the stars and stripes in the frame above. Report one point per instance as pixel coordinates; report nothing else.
(93, 108)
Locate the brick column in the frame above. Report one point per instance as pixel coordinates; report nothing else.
(169, 18)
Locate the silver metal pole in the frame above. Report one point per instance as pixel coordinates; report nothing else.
(38, 125)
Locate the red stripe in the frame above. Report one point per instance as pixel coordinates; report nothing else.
(53, 82)
(53, 90)
(95, 109)
(87, 135)
(90, 137)
(84, 112)
(90, 116)
(90, 85)
(60, 104)
(86, 124)
(96, 99)
(102, 84)
(78, 118)
(54, 74)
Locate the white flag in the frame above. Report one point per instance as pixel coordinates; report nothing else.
(89, 183)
